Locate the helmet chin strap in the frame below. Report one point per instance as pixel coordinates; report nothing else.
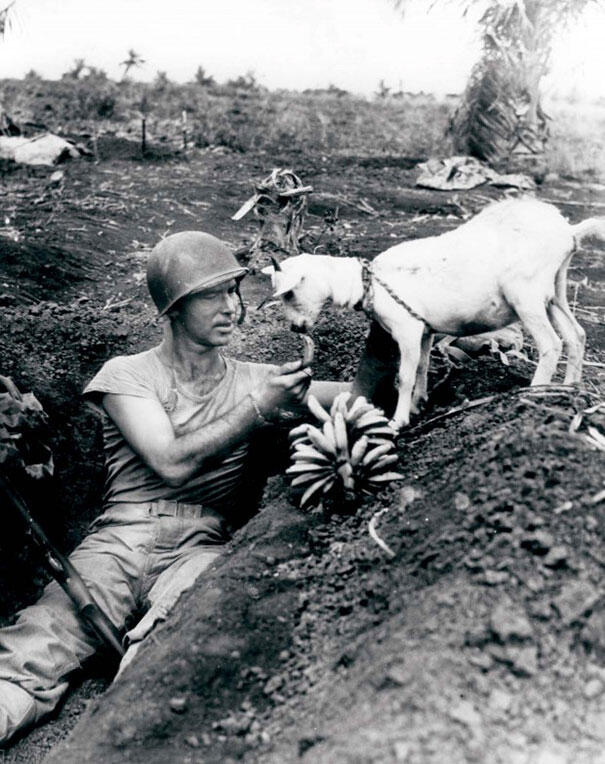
(242, 305)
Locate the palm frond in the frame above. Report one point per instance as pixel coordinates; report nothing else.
(7, 16)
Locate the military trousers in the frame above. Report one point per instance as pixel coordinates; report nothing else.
(136, 558)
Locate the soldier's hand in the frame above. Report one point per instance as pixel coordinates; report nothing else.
(286, 387)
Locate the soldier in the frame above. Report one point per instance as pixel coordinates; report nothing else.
(177, 424)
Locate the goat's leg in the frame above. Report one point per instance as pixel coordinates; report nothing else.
(573, 343)
(420, 394)
(375, 376)
(534, 318)
(573, 334)
(410, 343)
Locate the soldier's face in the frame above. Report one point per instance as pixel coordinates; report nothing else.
(208, 317)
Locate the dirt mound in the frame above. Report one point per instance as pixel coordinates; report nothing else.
(309, 641)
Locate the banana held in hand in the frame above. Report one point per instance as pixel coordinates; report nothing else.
(308, 351)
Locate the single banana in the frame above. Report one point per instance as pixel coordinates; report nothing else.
(346, 473)
(370, 419)
(320, 441)
(340, 403)
(308, 350)
(383, 462)
(382, 432)
(303, 480)
(360, 404)
(314, 489)
(296, 432)
(358, 451)
(328, 431)
(297, 468)
(376, 453)
(385, 477)
(340, 434)
(317, 409)
(300, 443)
(310, 454)
(363, 408)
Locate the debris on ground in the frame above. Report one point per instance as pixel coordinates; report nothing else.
(461, 173)
(46, 149)
(311, 642)
(279, 205)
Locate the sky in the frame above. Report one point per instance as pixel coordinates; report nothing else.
(296, 44)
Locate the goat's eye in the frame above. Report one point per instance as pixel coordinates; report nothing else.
(287, 296)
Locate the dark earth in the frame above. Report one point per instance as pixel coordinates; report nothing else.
(480, 638)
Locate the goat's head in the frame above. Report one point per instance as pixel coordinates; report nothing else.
(302, 287)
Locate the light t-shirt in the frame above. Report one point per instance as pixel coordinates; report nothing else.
(128, 478)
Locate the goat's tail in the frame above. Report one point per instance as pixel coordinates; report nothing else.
(589, 227)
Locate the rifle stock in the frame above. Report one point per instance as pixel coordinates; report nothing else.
(67, 576)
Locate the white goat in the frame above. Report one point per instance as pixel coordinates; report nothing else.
(508, 263)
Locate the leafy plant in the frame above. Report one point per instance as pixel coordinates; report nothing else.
(23, 432)
(351, 451)
(501, 111)
(6, 18)
(133, 61)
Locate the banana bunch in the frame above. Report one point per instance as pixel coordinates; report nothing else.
(350, 450)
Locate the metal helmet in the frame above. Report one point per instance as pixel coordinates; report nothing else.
(188, 262)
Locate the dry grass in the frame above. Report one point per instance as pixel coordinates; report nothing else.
(577, 144)
(243, 116)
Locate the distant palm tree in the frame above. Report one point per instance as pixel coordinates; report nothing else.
(134, 60)
(501, 111)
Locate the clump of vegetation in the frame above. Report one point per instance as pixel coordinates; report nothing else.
(240, 114)
(351, 451)
(23, 433)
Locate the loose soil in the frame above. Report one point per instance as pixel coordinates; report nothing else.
(482, 638)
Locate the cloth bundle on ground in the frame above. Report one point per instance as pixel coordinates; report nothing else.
(459, 173)
(46, 149)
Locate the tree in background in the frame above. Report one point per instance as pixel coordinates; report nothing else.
(161, 82)
(501, 114)
(133, 61)
(202, 78)
(6, 18)
(77, 69)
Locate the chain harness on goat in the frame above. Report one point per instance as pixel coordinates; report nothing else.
(367, 299)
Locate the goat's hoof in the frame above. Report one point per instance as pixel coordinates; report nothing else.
(418, 403)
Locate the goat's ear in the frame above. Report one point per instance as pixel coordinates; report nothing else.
(285, 282)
